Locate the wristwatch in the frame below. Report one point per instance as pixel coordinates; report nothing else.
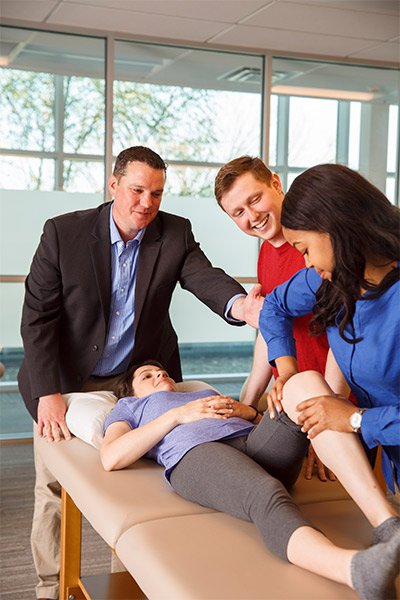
(355, 420)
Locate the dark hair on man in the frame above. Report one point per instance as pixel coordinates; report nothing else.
(228, 174)
(123, 385)
(362, 224)
(139, 154)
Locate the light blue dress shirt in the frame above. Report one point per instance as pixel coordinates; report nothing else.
(120, 333)
(371, 367)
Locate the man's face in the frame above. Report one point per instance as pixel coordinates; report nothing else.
(150, 378)
(256, 207)
(137, 197)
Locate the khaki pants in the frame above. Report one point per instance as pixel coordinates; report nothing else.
(46, 525)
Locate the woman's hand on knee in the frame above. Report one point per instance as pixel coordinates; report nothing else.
(325, 412)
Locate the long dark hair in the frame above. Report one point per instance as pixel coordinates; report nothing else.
(123, 385)
(362, 224)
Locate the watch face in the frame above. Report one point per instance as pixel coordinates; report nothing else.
(355, 420)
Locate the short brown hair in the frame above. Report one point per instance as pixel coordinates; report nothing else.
(228, 174)
(139, 154)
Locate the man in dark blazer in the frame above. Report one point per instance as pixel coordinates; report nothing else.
(97, 301)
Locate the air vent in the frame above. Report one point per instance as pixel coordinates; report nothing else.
(247, 74)
(253, 75)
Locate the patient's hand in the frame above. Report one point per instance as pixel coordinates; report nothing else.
(232, 408)
(212, 407)
(275, 395)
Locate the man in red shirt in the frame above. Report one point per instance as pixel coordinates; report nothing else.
(252, 196)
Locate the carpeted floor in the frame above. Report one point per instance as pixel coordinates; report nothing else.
(17, 573)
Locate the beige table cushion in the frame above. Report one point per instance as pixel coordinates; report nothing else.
(219, 557)
(115, 501)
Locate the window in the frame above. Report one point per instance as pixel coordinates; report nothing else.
(327, 112)
(52, 124)
(186, 104)
(198, 109)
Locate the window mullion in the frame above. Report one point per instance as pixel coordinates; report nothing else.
(59, 132)
(343, 132)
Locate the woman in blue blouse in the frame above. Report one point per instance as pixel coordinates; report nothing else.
(348, 233)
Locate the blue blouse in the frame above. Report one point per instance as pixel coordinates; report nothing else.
(371, 367)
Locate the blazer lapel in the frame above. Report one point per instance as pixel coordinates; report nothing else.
(148, 253)
(99, 247)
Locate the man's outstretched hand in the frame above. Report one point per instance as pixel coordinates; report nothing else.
(248, 308)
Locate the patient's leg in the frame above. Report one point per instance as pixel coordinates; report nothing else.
(222, 477)
(340, 452)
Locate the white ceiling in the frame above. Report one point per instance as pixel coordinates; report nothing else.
(359, 30)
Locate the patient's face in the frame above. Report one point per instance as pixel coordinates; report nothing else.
(149, 378)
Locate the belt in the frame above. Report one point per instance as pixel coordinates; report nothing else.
(102, 377)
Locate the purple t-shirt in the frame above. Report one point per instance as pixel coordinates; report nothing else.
(176, 443)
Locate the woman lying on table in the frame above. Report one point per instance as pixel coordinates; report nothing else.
(215, 455)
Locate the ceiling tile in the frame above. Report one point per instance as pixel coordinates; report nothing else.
(391, 7)
(291, 41)
(325, 20)
(386, 52)
(226, 11)
(123, 21)
(35, 10)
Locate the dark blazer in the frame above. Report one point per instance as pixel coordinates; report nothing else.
(68, 294)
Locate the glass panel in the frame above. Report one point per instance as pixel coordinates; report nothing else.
(83, 176)
(24, 173)
(273, 129)
(368, 135)
(175, 121)
(84, 115)
(393, 138)
(27, 110)
(390, 189)
(312, 131)
(198, 109)
(354, 135)
(290, 178)
(190, 181)
(187, 104)
(51, 102)
(51, 131)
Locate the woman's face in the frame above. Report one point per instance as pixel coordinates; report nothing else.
(149, 378)
(315, 247)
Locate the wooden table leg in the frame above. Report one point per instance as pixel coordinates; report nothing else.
(70, 563)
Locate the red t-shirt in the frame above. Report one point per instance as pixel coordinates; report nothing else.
(275, 266)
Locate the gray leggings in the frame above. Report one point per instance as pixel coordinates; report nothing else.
(248, 477)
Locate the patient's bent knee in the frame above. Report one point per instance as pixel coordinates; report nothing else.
(302, 386)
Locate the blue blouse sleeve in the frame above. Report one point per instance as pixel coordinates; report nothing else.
(294, 298)
(381, 425)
